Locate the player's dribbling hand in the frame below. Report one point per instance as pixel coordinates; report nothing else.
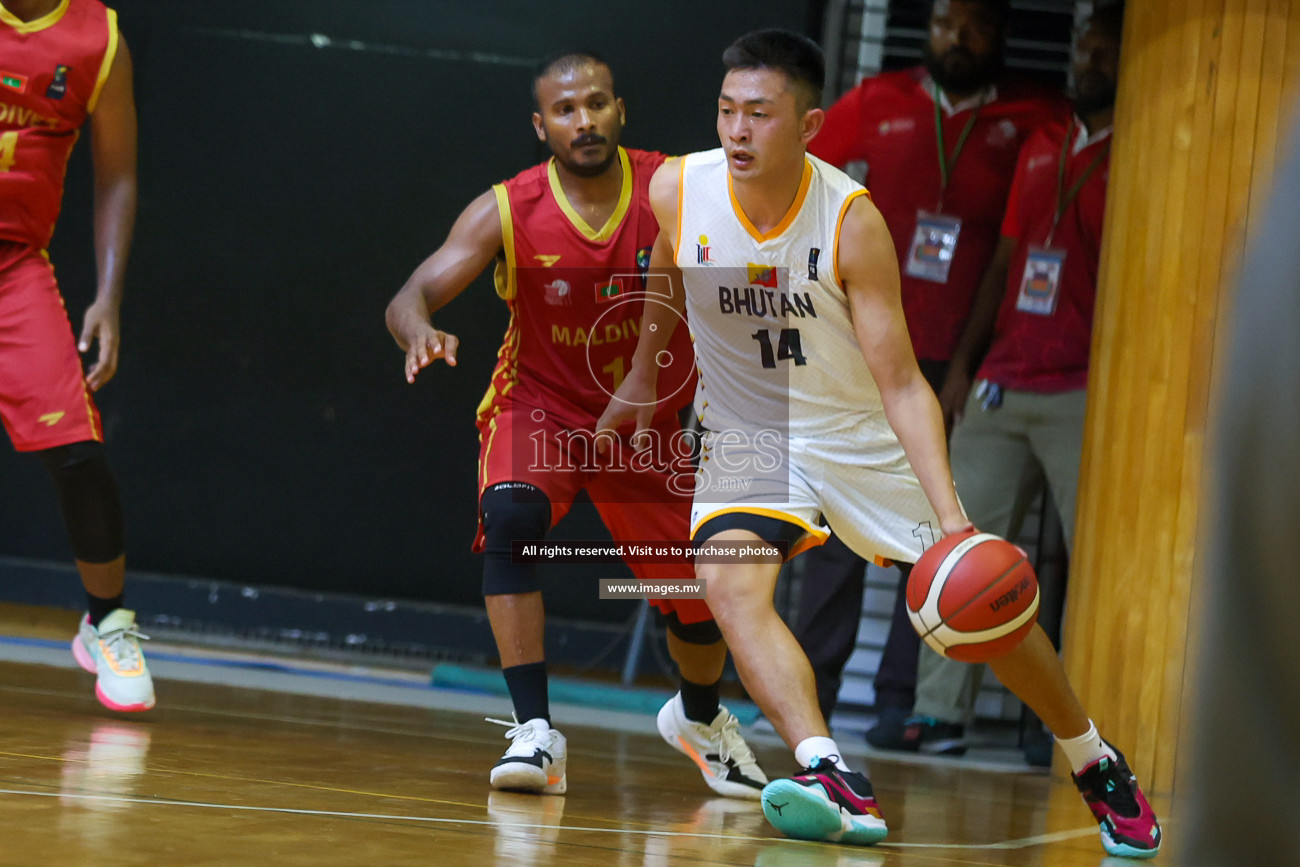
(101, 324)
(426, 345)
(633, 401)
(959, 524)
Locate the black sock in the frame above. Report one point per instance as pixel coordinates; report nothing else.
(700, 702)
(527, 685)
(98, 608)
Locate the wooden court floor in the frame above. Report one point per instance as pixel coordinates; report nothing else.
(222, 775)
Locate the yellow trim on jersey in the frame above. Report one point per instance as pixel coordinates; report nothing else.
(505, 283)
(47, 20)
(681, 201)
(487, 452)
(615, 219)
(839, 221)
(815, 535)
(766, 513)
(780, 227)
(95, 432)
(107, 63)
(507, 365)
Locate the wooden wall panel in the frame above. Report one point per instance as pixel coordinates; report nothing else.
(1206, 86)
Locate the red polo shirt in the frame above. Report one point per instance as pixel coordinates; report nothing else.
(888, 121)
(1032, 352)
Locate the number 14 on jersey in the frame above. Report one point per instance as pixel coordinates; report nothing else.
(788, 347)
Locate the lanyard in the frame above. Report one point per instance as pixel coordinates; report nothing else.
(1064, 198)
(946, 163)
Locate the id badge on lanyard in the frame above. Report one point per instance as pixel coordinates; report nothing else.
(934, 243)
(934, 240)
(1040, 283)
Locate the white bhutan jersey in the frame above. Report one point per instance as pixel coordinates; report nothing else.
(772, 333)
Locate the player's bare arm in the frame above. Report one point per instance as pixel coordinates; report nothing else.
(976, 335)
(869, 270)
(474, 240)
(634, 401)
(113, 147)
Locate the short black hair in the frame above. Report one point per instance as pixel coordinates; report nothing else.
(565, 61)
(999, 9)
(792, 53)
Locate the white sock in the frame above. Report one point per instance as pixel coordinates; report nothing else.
(812, 749)
(1086, 749)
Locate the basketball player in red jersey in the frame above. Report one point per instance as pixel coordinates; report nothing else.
(61, 62)
(573, 295)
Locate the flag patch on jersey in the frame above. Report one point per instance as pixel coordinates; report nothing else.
(13, 81)
(761, 275)
(608, 290)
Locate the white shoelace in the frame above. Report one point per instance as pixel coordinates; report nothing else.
(515, 728)
(731, 745)
(125, 653)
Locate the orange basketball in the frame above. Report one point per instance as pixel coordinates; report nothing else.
(973, 596)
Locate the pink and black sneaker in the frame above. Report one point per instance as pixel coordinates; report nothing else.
(825, 803)
(1128, 824)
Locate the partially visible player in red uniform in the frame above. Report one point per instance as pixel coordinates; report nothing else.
(575, 298)
(61, 62)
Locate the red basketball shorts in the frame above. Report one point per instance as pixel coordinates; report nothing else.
(43, 396)
(637, 500)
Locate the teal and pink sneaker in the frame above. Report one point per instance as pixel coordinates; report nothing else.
(1128, 824)
(112, 653)
(825, 803)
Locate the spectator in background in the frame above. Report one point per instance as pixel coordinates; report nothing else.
(940, 143)
(1023, 419)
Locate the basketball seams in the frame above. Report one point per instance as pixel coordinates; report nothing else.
(929, 611)
(937, 630)
(985, 589)
(995, 632)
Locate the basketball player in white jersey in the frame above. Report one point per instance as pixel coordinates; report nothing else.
(816, 413)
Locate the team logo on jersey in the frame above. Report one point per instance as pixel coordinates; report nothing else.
(557, 293)
(59, 86)
(702, 256)
(643, 258)
(608, 290)
(761, 275)
(546, 260)
(13, 81)
(814, 253)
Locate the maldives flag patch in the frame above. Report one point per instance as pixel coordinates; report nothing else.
(13, 81)
(608, 290)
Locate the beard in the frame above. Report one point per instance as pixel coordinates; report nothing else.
(959, 71)
(1093, 92)
(589, 170)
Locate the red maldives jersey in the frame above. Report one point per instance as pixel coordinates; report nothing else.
(51, 72)
(888, 121)
(576, 296)
(1049, 354)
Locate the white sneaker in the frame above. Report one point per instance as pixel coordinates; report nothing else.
(535, 759)
(112, 653)
(723, 757)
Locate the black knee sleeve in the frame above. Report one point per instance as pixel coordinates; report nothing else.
(89, 499)
(511, 512)
(705, 632)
